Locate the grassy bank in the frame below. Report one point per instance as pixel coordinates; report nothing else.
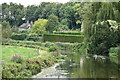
(9, 51)
(73, 47)
(26, 61)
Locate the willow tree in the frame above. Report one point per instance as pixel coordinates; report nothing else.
(104, 36)
(99, 12)
(87, 20)
(106, 12)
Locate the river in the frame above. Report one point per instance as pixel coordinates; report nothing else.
(75, 65)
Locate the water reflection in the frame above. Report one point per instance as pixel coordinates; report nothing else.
(88, 66)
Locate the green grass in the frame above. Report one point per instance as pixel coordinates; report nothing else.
(9, 51)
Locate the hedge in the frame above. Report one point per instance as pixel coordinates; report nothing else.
(68, 32)
(24, 36)
(21, 36)
(30, 44)
(62, 38)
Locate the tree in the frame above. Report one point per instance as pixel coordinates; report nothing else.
(103, 37)
(39, 26)
(100, 37)
(13, 13)
(52, 23)
(29, 12)
(67, 11)
(6, 30)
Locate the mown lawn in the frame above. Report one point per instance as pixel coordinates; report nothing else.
(9, 51)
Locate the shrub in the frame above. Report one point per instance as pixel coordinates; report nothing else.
(15, 71)
(24, 36)
(20, 36)
(62, 38)
(17, 58)
(33, 65)
(79, 47)
(48, 44)
(32, 37)
(53, 48)
(30, 67)
(114, 51)
(114, 54)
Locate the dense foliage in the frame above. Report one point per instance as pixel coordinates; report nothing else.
(67, 14)
(102, 38)
(27, 68)
(6, 30)
(39, 26)
(101, 33)
(25, 35)
(52, 23)
(21, 36)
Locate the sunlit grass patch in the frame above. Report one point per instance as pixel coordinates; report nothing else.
(9, 51)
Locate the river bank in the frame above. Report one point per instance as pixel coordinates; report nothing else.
(76, 65)
(19, 62)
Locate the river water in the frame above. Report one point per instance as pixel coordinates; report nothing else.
(75, 65)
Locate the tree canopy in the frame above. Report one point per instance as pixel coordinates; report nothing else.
(52, 23)
(39, 26)
(6, 30)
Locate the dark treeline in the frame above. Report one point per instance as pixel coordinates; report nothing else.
(68, 13)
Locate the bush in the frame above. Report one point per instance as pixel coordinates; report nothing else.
(30, 67)
(114, 51)
(24, 36)
(79, 47)
(53, 48)
(62, 38)
(17, 58)
(48, 44)
(20, 36)
(114, 54)
(32, 37)
(15, 71)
